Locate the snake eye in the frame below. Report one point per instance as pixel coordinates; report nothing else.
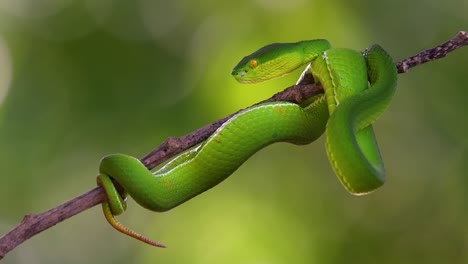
(253, 63)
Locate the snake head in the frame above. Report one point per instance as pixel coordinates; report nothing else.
(241, 71)
(277, 59)
(266, 63)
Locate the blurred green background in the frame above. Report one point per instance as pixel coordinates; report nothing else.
(82, 79)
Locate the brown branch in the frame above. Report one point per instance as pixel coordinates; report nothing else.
(34, 224)
(460, 40)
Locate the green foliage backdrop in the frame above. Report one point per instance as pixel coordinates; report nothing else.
(82, 79)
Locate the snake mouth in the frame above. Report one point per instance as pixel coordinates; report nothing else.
(240, 75)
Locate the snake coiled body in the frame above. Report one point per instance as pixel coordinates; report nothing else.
(358, 88)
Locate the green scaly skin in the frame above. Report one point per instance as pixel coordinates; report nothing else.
(210, 163)
(345, 112)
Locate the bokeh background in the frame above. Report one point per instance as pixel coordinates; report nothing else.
(80, 79)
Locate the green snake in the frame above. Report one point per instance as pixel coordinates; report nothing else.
(358, 87)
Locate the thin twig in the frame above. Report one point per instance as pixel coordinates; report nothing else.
(34, 224)
(460, 40)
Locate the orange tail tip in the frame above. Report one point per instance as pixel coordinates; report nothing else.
(121, 228)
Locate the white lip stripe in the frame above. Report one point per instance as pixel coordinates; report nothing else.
(304, 72)
(200, 147)
(324, 56)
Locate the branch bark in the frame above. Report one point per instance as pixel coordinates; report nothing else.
(33, 224)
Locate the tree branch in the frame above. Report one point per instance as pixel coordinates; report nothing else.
(34, 224)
